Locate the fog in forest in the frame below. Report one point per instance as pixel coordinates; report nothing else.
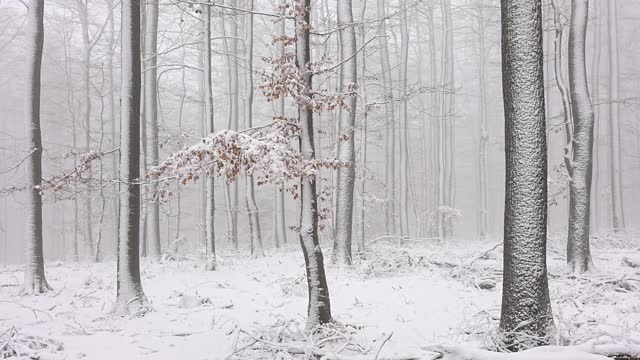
(395, 124)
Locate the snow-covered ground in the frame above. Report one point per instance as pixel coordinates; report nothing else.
(426, 294)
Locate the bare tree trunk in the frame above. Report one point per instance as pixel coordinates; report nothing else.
(319, 306)
(614, 118)
(484, 131)
(446, 178)
(436, 124)
(252, 208)
(595, 91)
(526, 311)
(151, 116)
(111, 35)
(346, 152)
(390, 216)
(86, 115)
(34, 276)
(279, 218)
(363, 134)
(233, 187)
(130, 297)
(578, 249)
(404, 137)
(210, 255)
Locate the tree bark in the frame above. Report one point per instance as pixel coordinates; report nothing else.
(151, 115)
(130, 297)
(279, 217)
(346, 136)
(526, 311)
(578, 249)
(614, 118)
(319, 306)
(34, 276)
(233, 187)
(404, 118)
(484, 131)
(210, 248)
(595, 91)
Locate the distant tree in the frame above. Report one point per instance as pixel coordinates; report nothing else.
(526, 318)
(130, 297)
(34, 276)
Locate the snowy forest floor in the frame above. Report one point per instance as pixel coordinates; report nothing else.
(425, 294)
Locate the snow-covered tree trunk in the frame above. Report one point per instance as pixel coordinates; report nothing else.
(363, 132)
(130, 296)
(595, 91)
(252, 208)
(390, 182)
(526, 310)
(319, 306)
(614, 119)
(346, 136)
(34, 277)
(404, 119)
(151, 118)
(210, 251)
(578, 249)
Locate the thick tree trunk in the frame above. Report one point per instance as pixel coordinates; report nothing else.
(614, 118)
(34, 276)
(346, 136)
(578, 249)
(151, 116)
(526, 310)
(210, 248)
(390, 142)
(319, 306)
(130, 297)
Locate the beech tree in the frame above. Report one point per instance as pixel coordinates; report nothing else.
(129, 295)
(34, 276)
(526, 311)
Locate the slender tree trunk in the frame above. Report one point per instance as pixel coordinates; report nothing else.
(526, 314)
(252, 207)
(484, 131)
(390, 142)
(130, 297)
(34, 276)
(319, 306)
(280, 222)
(151, 116)
(363, 133)
(436, 123)
(346, 152)
(447, 109)
(404, 118)
(578, 249)
(86, 115)
(111, 35)
(210, 257)
(233, 187)
(614, 118)
(595, 91)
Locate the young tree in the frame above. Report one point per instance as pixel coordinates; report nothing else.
(526, 310)
(578, 250)
(129, 295)
(346, 135)
(210, 255)
(151, 117)
(34, 277)
(319, 306)
(614, 119)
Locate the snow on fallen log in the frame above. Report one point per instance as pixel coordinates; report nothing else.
(587, 351)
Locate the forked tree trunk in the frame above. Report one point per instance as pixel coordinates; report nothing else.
(130, 297)
(319, 306)
(210, 248)
(346, 138)
(34, 277)
(578, 249)
(526, 315)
